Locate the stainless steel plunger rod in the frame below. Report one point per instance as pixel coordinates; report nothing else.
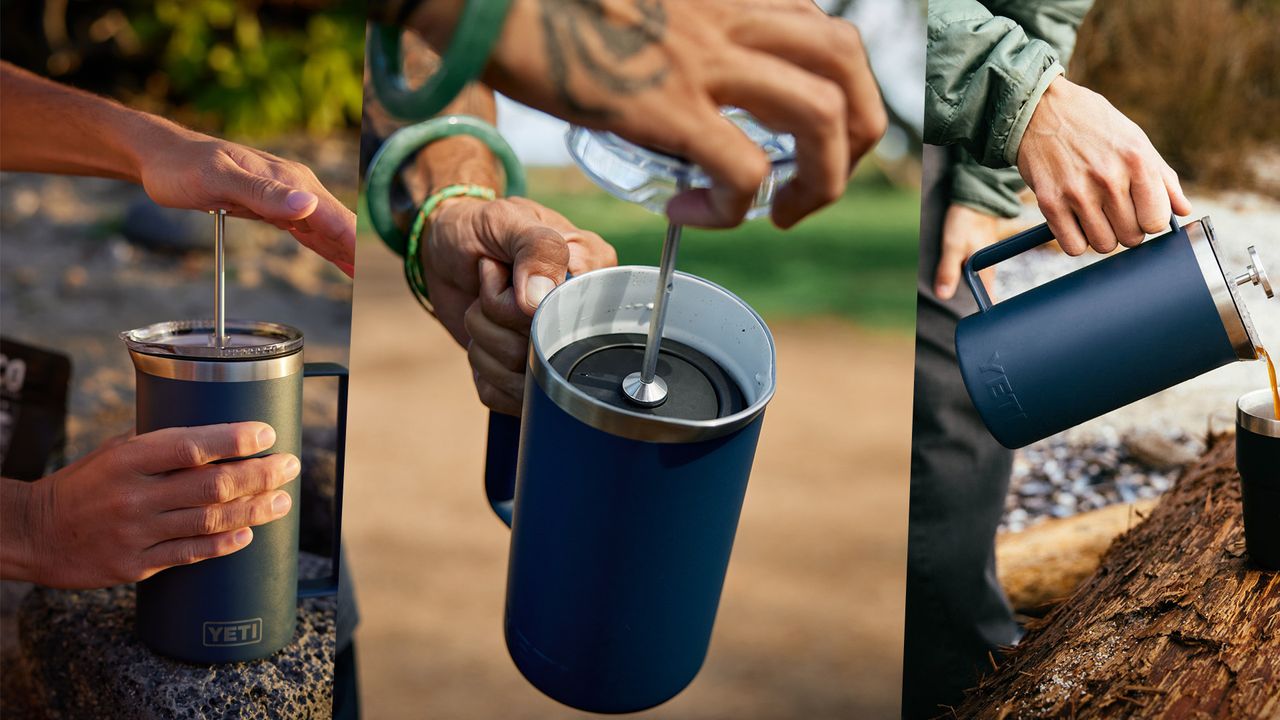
(220, 279)
(645, 387)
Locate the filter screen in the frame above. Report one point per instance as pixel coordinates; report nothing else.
(194, 339)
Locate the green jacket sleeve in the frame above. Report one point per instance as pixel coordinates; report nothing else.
(993, 191)
(985, 72)
(989, 63)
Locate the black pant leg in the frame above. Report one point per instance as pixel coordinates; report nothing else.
(956, 610)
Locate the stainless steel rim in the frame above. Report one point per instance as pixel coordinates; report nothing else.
(156, 339)
(1235, 319)
(1251, 413)
(217, 370)
(633, 425)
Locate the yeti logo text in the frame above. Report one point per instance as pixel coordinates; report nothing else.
(1000, 389)
(233, 633)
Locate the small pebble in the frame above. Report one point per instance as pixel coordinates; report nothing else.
(1056, 478)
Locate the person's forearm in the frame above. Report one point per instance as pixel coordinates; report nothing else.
(461, 159)
(16, 558)
(50, 128)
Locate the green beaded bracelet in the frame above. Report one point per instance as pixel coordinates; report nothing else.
(412, 263)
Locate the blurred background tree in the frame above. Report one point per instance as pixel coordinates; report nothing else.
(255, 68)
(1202, 77)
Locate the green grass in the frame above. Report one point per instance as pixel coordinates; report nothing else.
(854, 260)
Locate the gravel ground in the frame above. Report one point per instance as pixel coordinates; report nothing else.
(1117, 457)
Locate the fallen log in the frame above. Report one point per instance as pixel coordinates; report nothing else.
(1175, 623)
(1041, 566)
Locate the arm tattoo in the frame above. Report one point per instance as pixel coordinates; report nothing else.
(571, 28)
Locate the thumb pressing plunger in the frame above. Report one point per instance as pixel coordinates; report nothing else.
(646, 388)
(219, 279)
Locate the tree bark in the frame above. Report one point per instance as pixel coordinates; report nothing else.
(1175, 623)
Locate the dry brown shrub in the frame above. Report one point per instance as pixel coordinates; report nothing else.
(1202, 77)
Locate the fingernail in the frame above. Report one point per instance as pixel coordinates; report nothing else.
(266, 437)
(537, 288)
(299, 199)
(292, 466)
(281, 503)
(242, 536)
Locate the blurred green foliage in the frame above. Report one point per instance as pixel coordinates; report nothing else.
(234, 67)
(261, 79)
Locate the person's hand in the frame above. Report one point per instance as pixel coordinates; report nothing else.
(657, 74)
(138, 505)
(487, 265)
(184, 169)
(1097, 178)
(964, 232)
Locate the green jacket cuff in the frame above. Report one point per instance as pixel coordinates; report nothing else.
(1023, 115)
(988, 190)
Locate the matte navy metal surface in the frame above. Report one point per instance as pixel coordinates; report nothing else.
(618, 557)
(1089, 342)
(242, 606)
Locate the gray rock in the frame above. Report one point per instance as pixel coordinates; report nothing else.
(1061, 475)
(1156, 451)
(166, 230)
(1035, 489)
(80, 658)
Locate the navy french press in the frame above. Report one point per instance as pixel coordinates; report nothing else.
(623, 517)
(241, 606)
(1106, 335)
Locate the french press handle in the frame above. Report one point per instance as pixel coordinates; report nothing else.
(500, 456)
(325, 586)
(1009, 248)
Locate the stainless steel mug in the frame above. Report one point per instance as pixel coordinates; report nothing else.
(1110, 333)
(1258, 460)
(242, 606)
(623, 517)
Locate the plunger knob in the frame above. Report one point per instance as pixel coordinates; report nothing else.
(645, 394)
(1256, 274)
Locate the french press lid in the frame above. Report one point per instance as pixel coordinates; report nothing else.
(698, 388)
(194, 340)
(649, 178)
(1223, 286)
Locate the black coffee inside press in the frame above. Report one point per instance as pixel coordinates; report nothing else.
(697, 387)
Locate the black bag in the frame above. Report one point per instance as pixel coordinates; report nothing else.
(33, 410)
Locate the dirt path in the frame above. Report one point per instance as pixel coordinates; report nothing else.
(811, 620)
